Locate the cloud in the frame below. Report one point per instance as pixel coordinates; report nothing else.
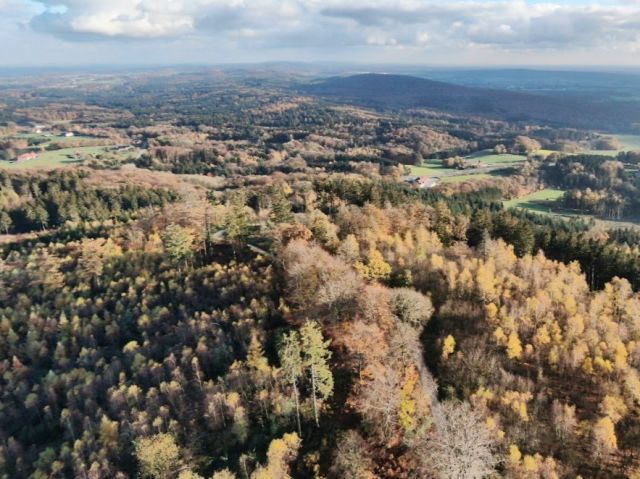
(412, 24)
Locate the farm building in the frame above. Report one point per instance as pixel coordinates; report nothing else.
(27, 156)
(421, 181)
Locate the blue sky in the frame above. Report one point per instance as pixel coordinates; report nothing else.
(453, 32)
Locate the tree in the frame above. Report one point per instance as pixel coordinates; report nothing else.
(292, 367)
(223, 474)
(448, 346)
(462, 446)
(443, 222)
(178, 243)
(93, 255)
(38, 215)
(500, 149)
(280, 206)
(158, 456)
(376, 269)
(352, 459)
(189, 475)
(604, 436)
(237, 221)
(514, 347)
(281, 452)
(5, 222)
(316, 354)
(412, 307)
(320, 225)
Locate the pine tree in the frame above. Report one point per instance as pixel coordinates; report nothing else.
(237, 221)
(38, 215)
(291, 361)
(443, 222)
(316, 354)
(178, 243)
(280, 206)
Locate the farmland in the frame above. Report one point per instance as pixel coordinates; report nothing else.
(490, 159)
(65, 157)
(540, 201)
(481, 164)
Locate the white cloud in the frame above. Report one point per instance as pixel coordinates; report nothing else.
(431, 26)
(508, 23)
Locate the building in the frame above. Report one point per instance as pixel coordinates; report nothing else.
(421, 181)
(69, 134)
(27, 156)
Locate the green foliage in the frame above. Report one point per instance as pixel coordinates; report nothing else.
(51, 200)
(237, 220)
(315, 359)
(178, 243)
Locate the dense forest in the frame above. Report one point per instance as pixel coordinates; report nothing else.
(260, 293)
(160, 347)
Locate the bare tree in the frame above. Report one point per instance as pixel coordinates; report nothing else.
(380, 400)
(461, 447)
(411, 307)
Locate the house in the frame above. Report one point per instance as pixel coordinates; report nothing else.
(421, 181)
(27, 156)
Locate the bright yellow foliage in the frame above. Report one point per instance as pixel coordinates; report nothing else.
(157, 455)
(514, 454)
(604, 435)
(514, 347)
(448, 346)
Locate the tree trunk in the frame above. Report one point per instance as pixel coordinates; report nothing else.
(315, 401)
(295, 394)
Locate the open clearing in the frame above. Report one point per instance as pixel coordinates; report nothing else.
(470, 177)
(538, 201)
(541, 202)
(627, 142)
(489, 158)
(58, 158)
(485, 158)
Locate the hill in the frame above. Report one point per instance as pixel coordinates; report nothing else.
(402, 92)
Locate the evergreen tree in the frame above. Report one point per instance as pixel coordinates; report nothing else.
(178, 243)
(237, 221)
(280, 206)
(315, 358)
(292, 367)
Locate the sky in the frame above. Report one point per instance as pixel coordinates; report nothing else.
(417, 32)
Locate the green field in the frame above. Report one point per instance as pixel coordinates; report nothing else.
(539, 201)
(627, 142)
(487, 157)
(431, 168)
(470, 177)
(57, 158)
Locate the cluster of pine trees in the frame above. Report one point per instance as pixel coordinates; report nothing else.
(39, 202)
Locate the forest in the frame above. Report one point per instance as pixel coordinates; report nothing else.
(259, 294)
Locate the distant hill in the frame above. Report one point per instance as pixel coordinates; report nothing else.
(402, 92)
